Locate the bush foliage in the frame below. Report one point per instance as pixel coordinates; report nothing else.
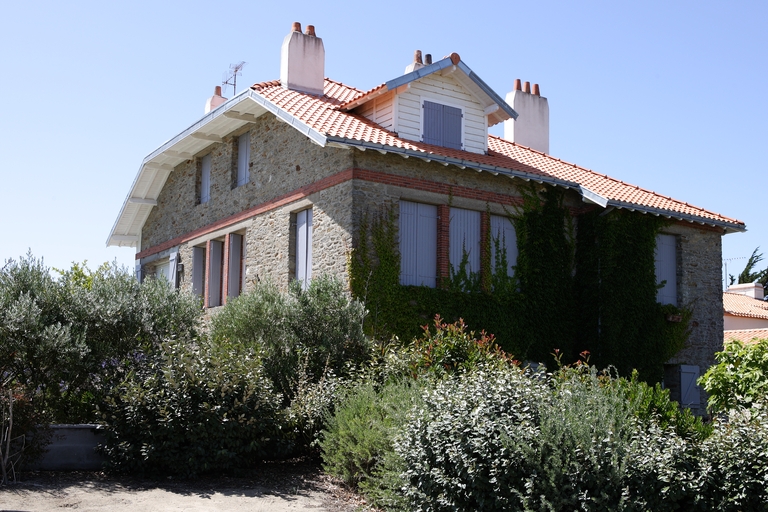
(740, 376)
(190, 410)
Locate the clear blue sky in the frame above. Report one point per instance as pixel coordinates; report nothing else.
(670, 96)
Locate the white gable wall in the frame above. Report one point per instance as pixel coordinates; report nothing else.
(381, 110)
(444, 90)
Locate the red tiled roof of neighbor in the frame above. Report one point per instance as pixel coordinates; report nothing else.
(745, 335)
(324, 115)
(743, 305)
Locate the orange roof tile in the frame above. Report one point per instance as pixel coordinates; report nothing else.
(745, 335)
(743, 305)
(324, 114)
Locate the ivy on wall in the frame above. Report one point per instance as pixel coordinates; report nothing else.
(591, 288)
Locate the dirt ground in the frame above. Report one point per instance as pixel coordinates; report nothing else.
(279, 486)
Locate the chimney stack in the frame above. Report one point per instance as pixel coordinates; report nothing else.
(754, 290)
(417, 62)
(302, 61)
(215, 100)
(531, 128)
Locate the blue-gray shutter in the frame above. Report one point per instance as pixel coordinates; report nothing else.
(503, 230)
(243, 158)
(451, 127)
(172, 261)
(235, 257)
(418, 244)
(689, 393)
(433, 123)
(198, 270)
(205, 179)
(464, 236)
(666, 268)
(139, 277)
(427, 245)
(304, 247)
(215, 261)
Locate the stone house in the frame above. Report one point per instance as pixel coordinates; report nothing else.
(272, 183)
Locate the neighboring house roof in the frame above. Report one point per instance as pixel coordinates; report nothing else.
(741, 305)
(745, 335)
(329, 120)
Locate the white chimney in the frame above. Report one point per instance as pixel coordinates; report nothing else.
(754, 290)
(302, 61)
(531, 128)
(215, 100)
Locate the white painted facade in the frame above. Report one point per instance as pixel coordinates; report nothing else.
(407, 110)
(733, 322)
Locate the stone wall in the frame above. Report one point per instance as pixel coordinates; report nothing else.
(282, 160)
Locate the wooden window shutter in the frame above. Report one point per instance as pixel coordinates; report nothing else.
(215, 264)
(464, 236)
(451, 127)
(198, 270)
(503, 231)
(666, 268)
(234, 267)
(433, 121)
(172, 276)
(418, 244)
(304, 247)
(689, 393)
(205, 179)
(243, 158)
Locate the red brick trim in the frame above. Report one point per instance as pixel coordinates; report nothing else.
(332, 181)
(443, 243)
(225, 271)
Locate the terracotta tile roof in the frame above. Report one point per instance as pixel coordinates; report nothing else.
(745, 335)
(324, 114)
(742, 305)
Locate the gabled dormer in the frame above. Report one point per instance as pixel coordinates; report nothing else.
(442, 103)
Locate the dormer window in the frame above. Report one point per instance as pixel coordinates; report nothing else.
(442, 125)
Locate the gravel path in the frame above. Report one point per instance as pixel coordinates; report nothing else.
(280, 486)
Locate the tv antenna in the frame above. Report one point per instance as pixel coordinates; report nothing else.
(231, 78)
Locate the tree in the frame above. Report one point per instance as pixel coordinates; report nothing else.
(749, 275)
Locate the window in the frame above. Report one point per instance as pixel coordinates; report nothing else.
(243, 158)
(666, 269)
(304, 247)
(464, 239)
(198, 271)
(504, 237)
(442, 125)
(215, 271)
(205, 179)
(418, 244)
(166, 270)
(236, 265)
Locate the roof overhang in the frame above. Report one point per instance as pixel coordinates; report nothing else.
(213, 127)
(495, 107)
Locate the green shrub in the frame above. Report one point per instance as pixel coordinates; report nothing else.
(66, 338)
(193, 410)
(740, 376)
(362, 426)
(450, 348)
(317, 330)
(472, 445)
(734, 461)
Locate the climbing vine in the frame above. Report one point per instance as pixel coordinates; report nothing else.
(591, 288)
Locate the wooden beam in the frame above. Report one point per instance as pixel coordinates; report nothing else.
(140, 200)
(178, 154)
(158, 167)
(241, 116)
(125, 238)
(205, 136)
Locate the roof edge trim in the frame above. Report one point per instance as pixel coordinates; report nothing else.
(453, 161)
